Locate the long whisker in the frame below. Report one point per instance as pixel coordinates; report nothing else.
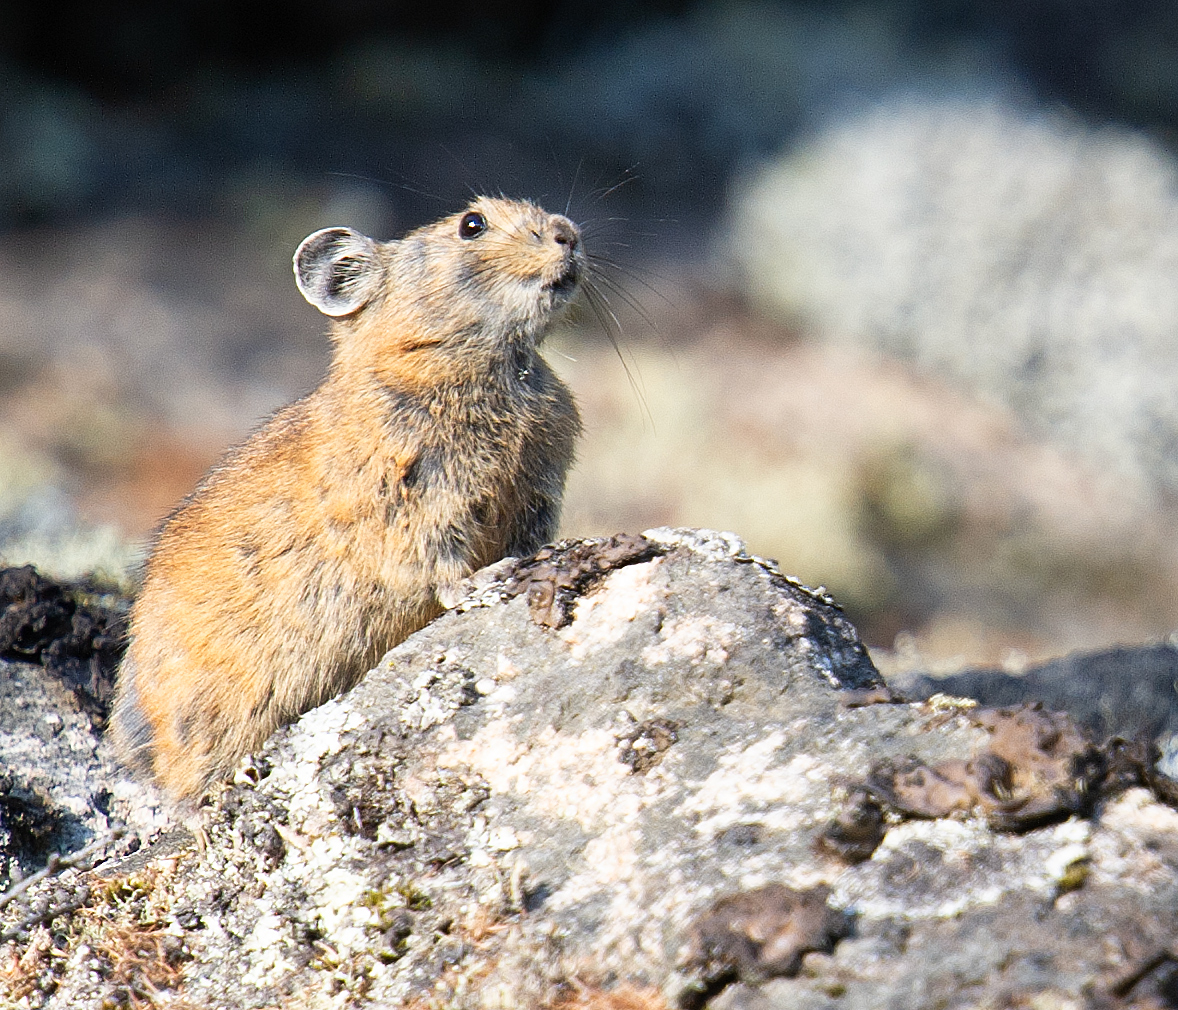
(573, 188)
(376, 181)
(626, 268)
(612, 328)
(635, 305)
(629, 176)
(467, 173)
(604, 298)
(597, 259)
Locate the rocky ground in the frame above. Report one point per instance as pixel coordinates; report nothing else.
(631, 772)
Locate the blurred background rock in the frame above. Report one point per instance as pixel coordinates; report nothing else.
(895, 281)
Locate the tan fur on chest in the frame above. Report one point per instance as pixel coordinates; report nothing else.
(324, 539)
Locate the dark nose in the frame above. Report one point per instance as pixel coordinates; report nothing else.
(565, 233)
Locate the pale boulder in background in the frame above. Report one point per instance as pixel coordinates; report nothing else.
(1029, 258)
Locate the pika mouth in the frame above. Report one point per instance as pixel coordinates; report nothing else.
(568, 279)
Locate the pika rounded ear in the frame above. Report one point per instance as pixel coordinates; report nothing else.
(338, 270)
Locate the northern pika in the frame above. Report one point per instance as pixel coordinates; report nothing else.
(438, 443)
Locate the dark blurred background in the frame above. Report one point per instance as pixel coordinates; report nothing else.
(174, 106)
(891, 278)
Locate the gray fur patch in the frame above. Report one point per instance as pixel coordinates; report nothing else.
(133, 733)
(542, 519)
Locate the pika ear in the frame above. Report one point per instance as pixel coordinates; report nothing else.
(338, 270)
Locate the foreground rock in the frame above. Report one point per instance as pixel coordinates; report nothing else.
(647, 766)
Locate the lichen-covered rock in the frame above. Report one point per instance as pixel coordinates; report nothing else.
(617, 766)
(53, 783)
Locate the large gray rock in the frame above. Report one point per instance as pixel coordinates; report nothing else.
(618, 764)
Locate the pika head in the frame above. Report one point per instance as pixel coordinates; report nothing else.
(492, 276)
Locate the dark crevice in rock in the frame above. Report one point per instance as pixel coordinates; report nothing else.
(68, 629)
(556, 576)
(857, 829)
(29, 822)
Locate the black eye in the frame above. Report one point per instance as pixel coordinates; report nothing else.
(472, 224)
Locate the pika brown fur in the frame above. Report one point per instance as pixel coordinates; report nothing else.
(438, 443)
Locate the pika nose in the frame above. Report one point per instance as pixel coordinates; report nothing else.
(564, 232)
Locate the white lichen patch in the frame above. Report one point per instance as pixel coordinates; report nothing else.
(941, 868)
(485, 839)
(141, 805)
(612, 857)
(1137, 842)
(1061, 864)
(939, 703)
(955, 839)
(426, 709)
(639, 906)
(1137, 811)
(267, 943)
(699, 639)
(602, 617)
(505, 668)
(342, 914)
(572, 776)
(715, 545)
(316, 736)
(317, 733)
(749, 781)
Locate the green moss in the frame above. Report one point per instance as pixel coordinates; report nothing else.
(415, 899)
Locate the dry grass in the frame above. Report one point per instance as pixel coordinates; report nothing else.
(623, 997)
(481, 926)
(123, 930)
(19, 977)
(141, 962)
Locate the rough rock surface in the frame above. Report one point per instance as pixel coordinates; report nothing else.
(59, 649)
(76, 632)
(637, 763)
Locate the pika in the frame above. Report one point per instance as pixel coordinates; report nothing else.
(438, 443)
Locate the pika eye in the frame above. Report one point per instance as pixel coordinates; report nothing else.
(472, 224)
